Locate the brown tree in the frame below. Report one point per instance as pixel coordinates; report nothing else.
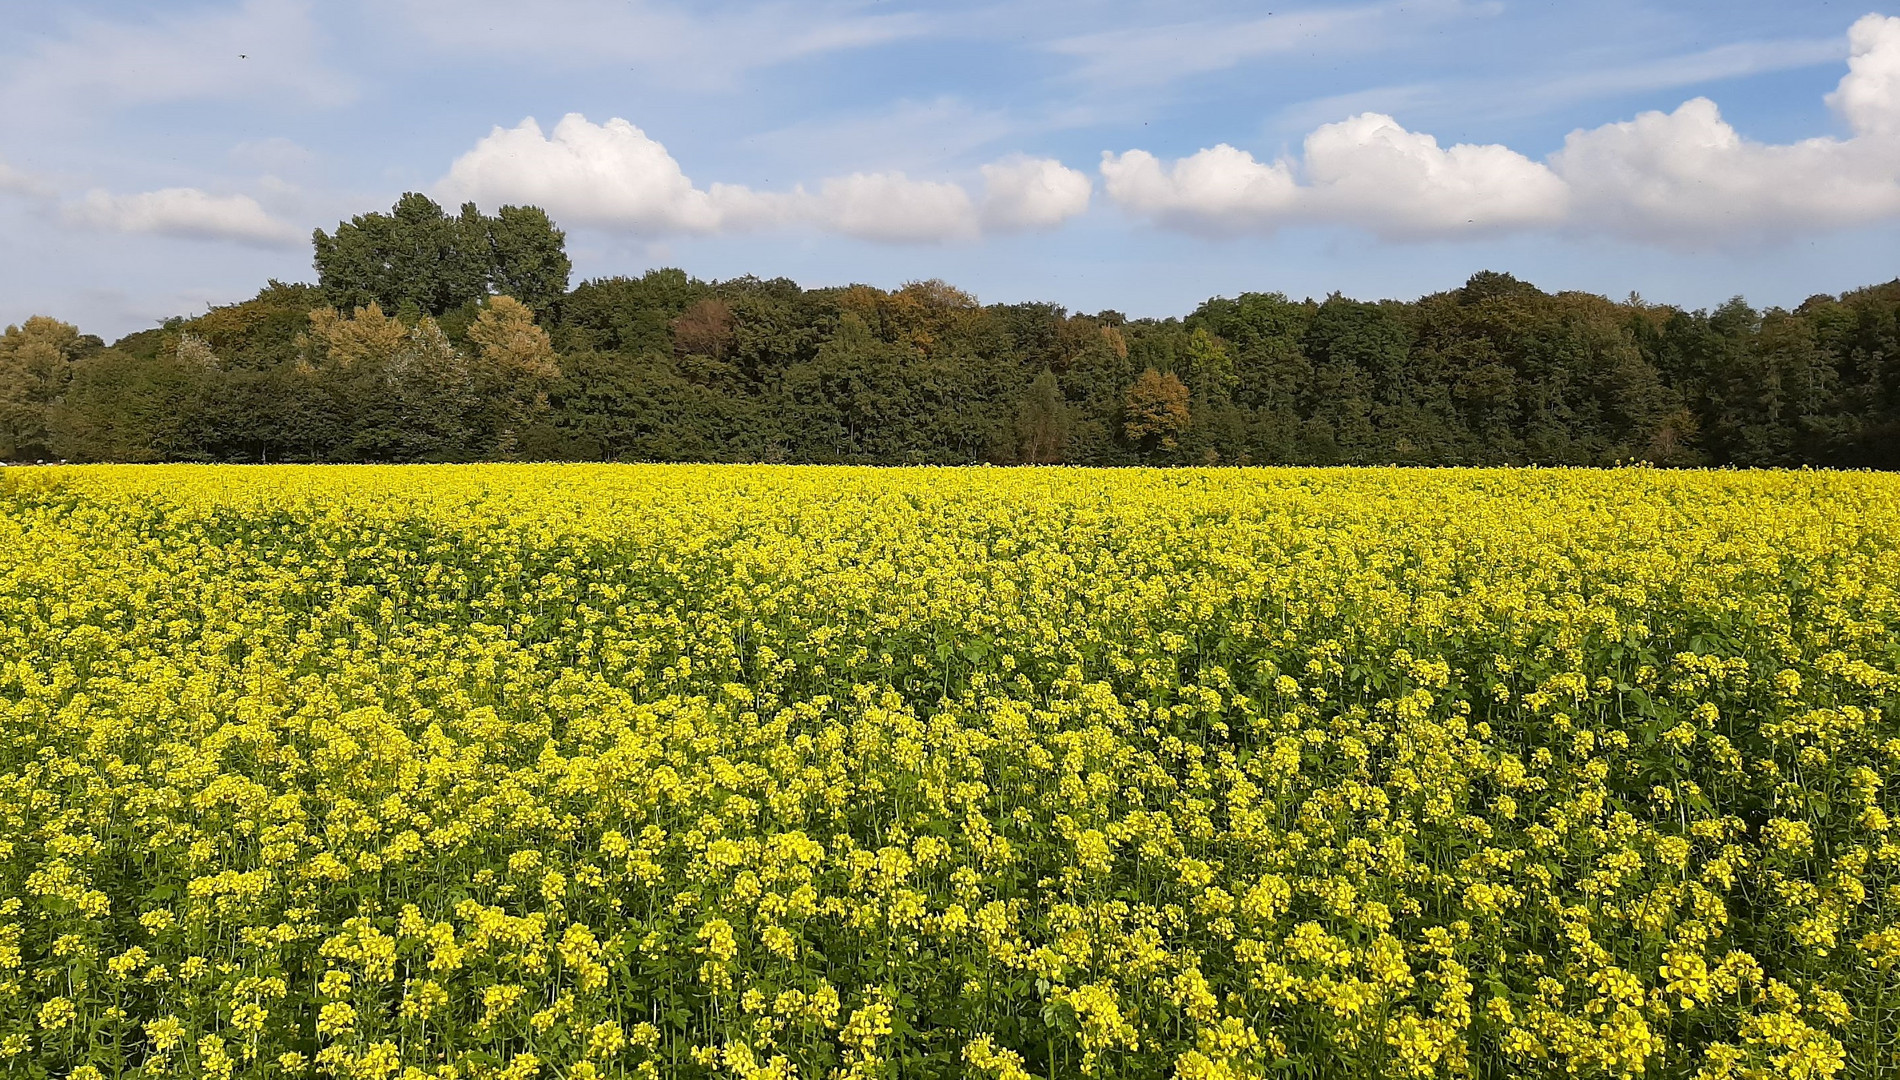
(705, 329)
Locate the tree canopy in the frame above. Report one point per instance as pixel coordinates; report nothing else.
(438, 337)
(418, 258)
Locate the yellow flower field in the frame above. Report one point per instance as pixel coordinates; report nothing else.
(574, 772)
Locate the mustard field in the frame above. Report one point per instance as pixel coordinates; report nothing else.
(569, 772)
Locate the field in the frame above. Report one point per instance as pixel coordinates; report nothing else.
(576, 772)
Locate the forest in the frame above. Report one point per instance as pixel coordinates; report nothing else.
(431, 336)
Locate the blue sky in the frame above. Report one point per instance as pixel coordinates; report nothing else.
(155, 158)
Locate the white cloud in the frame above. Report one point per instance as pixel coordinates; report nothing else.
(612, 175)
(1032, 193)
(1689, 175)
(19, 182)
(1215, 191)
(186, 212)
(894, 209)
(615, 176)
(262, 49)
(1869, 94)
(1370, 171)
(1662, 177)
(1365, 171)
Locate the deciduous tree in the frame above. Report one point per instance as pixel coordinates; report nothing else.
(36, 361)
(1156, 412)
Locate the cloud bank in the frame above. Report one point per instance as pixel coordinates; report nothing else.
(614, 175)
(1680, 177)
(1683, 177)
(183, 212)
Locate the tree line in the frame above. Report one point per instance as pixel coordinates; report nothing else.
(432, 336)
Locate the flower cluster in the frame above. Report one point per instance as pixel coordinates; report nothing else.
(771, 773)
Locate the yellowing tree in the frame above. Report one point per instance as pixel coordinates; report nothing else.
(512, 347)
(1157, 409)
(409, 385)
(515, 368)
(366, 336)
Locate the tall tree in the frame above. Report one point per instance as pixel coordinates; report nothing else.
(415, 256)
(1043, 424)
(514, 370)
(418, 257)
(527, 257)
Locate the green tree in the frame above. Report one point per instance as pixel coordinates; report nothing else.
(418, 257)
(1043, 424)
(667, 367)
(527, 257)
(852, 402)
(414, 256)
(626, 315)
(403, 392)
(36, 363)
(1209, 365)
(124, 407)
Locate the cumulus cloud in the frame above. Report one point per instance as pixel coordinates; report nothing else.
(1371, 171)
(1367, 171)
(612, 175)
(1689, 174)
(1686, 175)
(1217, 190)
(186, 212)
(1869, 94)
(1681, 176)
(1032, 193)
(1019, 193)
(615, 176)
(892, 208)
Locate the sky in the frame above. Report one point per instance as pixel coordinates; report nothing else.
(157, 158)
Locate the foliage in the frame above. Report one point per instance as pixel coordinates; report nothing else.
(418, 258)
(665, 367)
(36, 361)
(518, 771)
(1044, 423)
(1157, 409)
